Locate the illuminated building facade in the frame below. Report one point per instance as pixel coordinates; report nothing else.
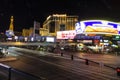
(100, 36)
(59, 22)
(103, 35)
(27, 32)
(95, 32)
(43, 32)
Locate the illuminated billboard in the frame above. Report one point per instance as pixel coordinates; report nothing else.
(97, 26)
(50, 39)
(72, 35)
(66, 34)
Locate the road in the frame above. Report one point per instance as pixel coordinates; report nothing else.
(52, 67)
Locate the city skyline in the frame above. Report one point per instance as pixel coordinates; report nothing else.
(26, 11)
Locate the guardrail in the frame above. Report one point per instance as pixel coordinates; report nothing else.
(8, 73)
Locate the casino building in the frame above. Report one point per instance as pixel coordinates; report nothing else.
(97, 34)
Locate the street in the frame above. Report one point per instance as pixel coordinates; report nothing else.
(55, 67)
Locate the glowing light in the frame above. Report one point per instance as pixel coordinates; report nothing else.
(81, 26)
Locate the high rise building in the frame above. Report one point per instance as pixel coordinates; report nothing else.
(59, 22)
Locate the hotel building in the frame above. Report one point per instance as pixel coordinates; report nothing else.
(59, 22)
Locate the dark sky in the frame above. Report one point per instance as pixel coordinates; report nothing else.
(26, 11)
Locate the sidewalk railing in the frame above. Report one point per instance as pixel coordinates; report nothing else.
(8, 73)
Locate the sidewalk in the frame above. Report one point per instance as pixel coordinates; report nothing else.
(8, 58)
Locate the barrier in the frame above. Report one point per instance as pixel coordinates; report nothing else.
(5, 72)
(20, 75)
(8, 73)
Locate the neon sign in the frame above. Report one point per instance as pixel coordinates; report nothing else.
(97, 26)
(66, 34)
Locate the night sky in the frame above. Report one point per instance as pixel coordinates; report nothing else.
(26, 11)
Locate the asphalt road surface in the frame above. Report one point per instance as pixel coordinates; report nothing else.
(51, 67)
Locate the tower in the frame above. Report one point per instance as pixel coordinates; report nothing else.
(11, 23)
(10, 32)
